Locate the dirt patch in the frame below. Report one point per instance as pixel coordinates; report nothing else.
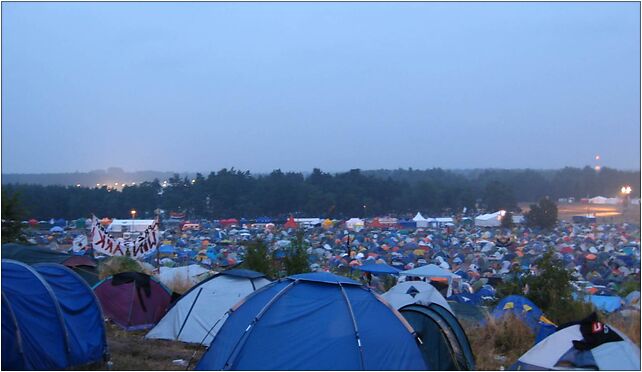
(131, 351)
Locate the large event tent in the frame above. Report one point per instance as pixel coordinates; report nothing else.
(50, 318)
(314, 321)
(199, 314)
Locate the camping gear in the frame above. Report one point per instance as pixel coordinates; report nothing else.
(316, 321)
(587, 344)
(198, 315)
(133, 300)
(50, 318)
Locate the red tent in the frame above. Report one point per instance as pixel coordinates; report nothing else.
(33, 222)
(291, 224)
(230, 221)
(376, 224)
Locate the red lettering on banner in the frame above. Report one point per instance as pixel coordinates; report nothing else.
(101, 241)
(118, 249)
(597, 327)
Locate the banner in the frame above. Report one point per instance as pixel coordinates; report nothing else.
(102, 243)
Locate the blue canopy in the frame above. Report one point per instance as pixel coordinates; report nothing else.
(381, 268)
(316, 321)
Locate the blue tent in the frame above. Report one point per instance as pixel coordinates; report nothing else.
(314, 321)
(608, 304)
(53, 320)
(525, 310)
(80, 310)
(166, 249)
(381, 268)
(56, 229)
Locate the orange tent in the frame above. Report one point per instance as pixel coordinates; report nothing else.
(105, 221)
(591, 256)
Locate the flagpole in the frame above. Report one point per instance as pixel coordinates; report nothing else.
(158, 244)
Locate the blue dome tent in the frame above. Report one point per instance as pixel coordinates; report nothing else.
(525, 310)
(52, 320)
(316, 321)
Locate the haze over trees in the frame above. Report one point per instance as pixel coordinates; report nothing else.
(234, 193)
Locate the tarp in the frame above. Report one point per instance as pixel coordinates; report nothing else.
(315, 321)
(199, 314)
(379, 268)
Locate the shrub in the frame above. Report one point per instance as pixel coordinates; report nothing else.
(118, 264)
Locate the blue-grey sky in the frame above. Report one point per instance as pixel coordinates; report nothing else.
(260, 86)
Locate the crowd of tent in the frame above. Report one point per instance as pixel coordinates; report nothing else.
(445, 271)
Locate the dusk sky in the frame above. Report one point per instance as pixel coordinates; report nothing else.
(260, 86)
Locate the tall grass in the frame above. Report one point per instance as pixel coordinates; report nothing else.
(499, 342)
(629, 324)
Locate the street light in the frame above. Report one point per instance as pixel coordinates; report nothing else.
(626, 190)
(133, 213)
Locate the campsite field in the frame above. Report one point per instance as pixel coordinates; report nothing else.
(131, 351)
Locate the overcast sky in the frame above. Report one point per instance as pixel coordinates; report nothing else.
(201, 86)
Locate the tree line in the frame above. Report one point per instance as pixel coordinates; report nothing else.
(234, 193)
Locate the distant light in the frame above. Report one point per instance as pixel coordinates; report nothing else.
(97, 185)
(597, 157)
(502, 213)
(116, 184)
(626, 189)
(193, 181)
(598, 168)
(77, 185)
(133, 183)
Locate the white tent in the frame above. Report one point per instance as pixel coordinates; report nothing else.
(355, 224)
(558, 351)
(433, 271)
(598, 200)
(488, 220)
(420, 220)
(199, 314)
(415, 292)
(129, 225)
(181, 274)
